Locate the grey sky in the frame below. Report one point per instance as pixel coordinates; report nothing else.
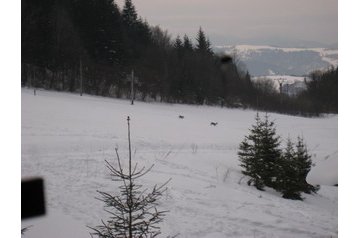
(281, 22)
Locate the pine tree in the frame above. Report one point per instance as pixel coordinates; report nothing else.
(288, 178)
(203, 44)
(178, 44)
(133, 212)
(249, 155)
(270, 152)
(304, 164)
(296, 164)
(187, 43)
(129, 13)
(249, 163)
(209, 50)
(259, 154)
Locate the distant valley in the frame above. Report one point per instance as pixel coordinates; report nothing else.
(269, 60)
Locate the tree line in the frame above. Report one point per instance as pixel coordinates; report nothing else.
(106, 42)
(320, 95)
(93, 45)
(322, 91)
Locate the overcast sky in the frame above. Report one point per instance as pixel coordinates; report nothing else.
(246, 21)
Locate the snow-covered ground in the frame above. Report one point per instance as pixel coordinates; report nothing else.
(66, 138)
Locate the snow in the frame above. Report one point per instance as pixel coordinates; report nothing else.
(65, 139)
(287, 79)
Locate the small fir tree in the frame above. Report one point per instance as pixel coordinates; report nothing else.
(133, 212)
(259, 154)
(270, 152)
(249, 164)
(304, 165)
(296, 164)
(288, 179)
(248, 153)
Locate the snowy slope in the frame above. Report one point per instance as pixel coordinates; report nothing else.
(66, 138)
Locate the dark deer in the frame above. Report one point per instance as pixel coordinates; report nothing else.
(181, 117)
(213, 123)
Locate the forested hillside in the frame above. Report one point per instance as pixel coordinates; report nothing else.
(106, 42)
(93, 46)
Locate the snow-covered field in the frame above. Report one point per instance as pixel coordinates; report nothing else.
(66, 138)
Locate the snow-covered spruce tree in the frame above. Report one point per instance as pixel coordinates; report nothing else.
(248, 155)
(296, 164)
(270, 152)
(304, 165)
(259, 154)
(133, 212)
(288, 182)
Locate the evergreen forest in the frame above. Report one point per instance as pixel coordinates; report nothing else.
(94, 46)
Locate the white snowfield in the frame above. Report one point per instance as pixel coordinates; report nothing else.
(66, 138)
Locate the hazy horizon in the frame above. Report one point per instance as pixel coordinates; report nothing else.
(284, 23)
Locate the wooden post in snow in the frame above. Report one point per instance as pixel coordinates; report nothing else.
(132, 87)
(133, 82)
(81, 83)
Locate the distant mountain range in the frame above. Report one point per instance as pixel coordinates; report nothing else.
(270, 60)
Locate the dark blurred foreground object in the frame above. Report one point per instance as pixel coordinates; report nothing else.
(32, 198)
(226, 59)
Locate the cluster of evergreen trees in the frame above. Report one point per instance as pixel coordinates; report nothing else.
(266, 164)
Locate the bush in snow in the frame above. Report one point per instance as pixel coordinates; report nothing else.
(133, 211)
